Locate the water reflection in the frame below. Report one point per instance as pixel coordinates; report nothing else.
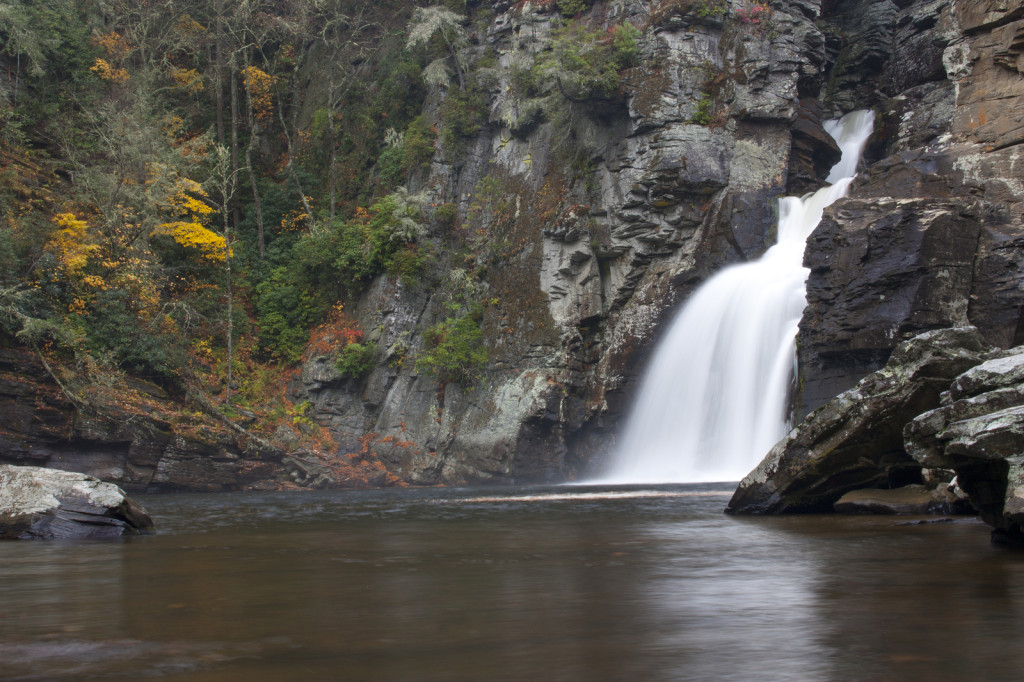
(443, 585)
(727, 604)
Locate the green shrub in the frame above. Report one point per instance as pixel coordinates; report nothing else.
(586, 64)
(356, 359)
(112, 328)
(456, 349)
(625, 45)
(409, 262)
(703, 114)
(571, 8)
(284, 313)
(391, 165)
(446, 216)
(715, 9)
(418, 145)
(463, 113)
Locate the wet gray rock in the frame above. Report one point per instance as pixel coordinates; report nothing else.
(882, 270)
(944, 403)
(855, 441)
(979, 433)
(814, 152)
(49, 503)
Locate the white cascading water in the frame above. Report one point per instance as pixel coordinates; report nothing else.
(715, 397)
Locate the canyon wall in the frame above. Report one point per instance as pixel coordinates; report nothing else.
(589, 268)
(580, 224)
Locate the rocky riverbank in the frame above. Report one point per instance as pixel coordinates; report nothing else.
(943, 401)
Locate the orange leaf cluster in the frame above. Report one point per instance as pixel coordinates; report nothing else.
(104, 70)
(339, 331)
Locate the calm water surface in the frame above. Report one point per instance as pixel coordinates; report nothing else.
(524, 584)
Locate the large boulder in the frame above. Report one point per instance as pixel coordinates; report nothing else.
(942, 403)
(978, 432)
(856, 440)
(49, 503)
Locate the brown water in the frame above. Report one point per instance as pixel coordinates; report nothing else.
(539, 584)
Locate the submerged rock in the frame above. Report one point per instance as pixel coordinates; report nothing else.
(910, 499)
(49, 503)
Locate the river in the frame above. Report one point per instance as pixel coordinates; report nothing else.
(546, 584)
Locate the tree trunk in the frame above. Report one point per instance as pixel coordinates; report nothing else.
(233, 77)
(219, 70)
(291, 161)
(332, 176)
(253, 138)
(231, 321)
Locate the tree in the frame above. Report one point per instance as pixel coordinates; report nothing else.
(224, 180)
(427, 22)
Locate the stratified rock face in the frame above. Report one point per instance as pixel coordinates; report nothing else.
(979, 433)
(856, 440)
(47, 503)
(680, 177)
(932, 234)
(930, 237)
(882, 270)
(39, 426)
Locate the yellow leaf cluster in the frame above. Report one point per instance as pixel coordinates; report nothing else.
(114, 44)
(295, 220)
(188, 199)
(190, 230)
(188, 80)
(211, 245)
(94, 281)
(188, 27)
(104, 70)
(69, 244)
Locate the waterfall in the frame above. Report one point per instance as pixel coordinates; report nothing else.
(715, 397)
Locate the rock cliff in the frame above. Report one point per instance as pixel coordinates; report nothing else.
(586, 220)
(142, 446)
(675, 180)
(610, 214)
(931, 234)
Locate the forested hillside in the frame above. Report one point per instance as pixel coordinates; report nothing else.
(171, 171)
(186, 189)
(365, 243)
(189, 189)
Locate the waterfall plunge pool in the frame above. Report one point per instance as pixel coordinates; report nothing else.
(544, 583)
